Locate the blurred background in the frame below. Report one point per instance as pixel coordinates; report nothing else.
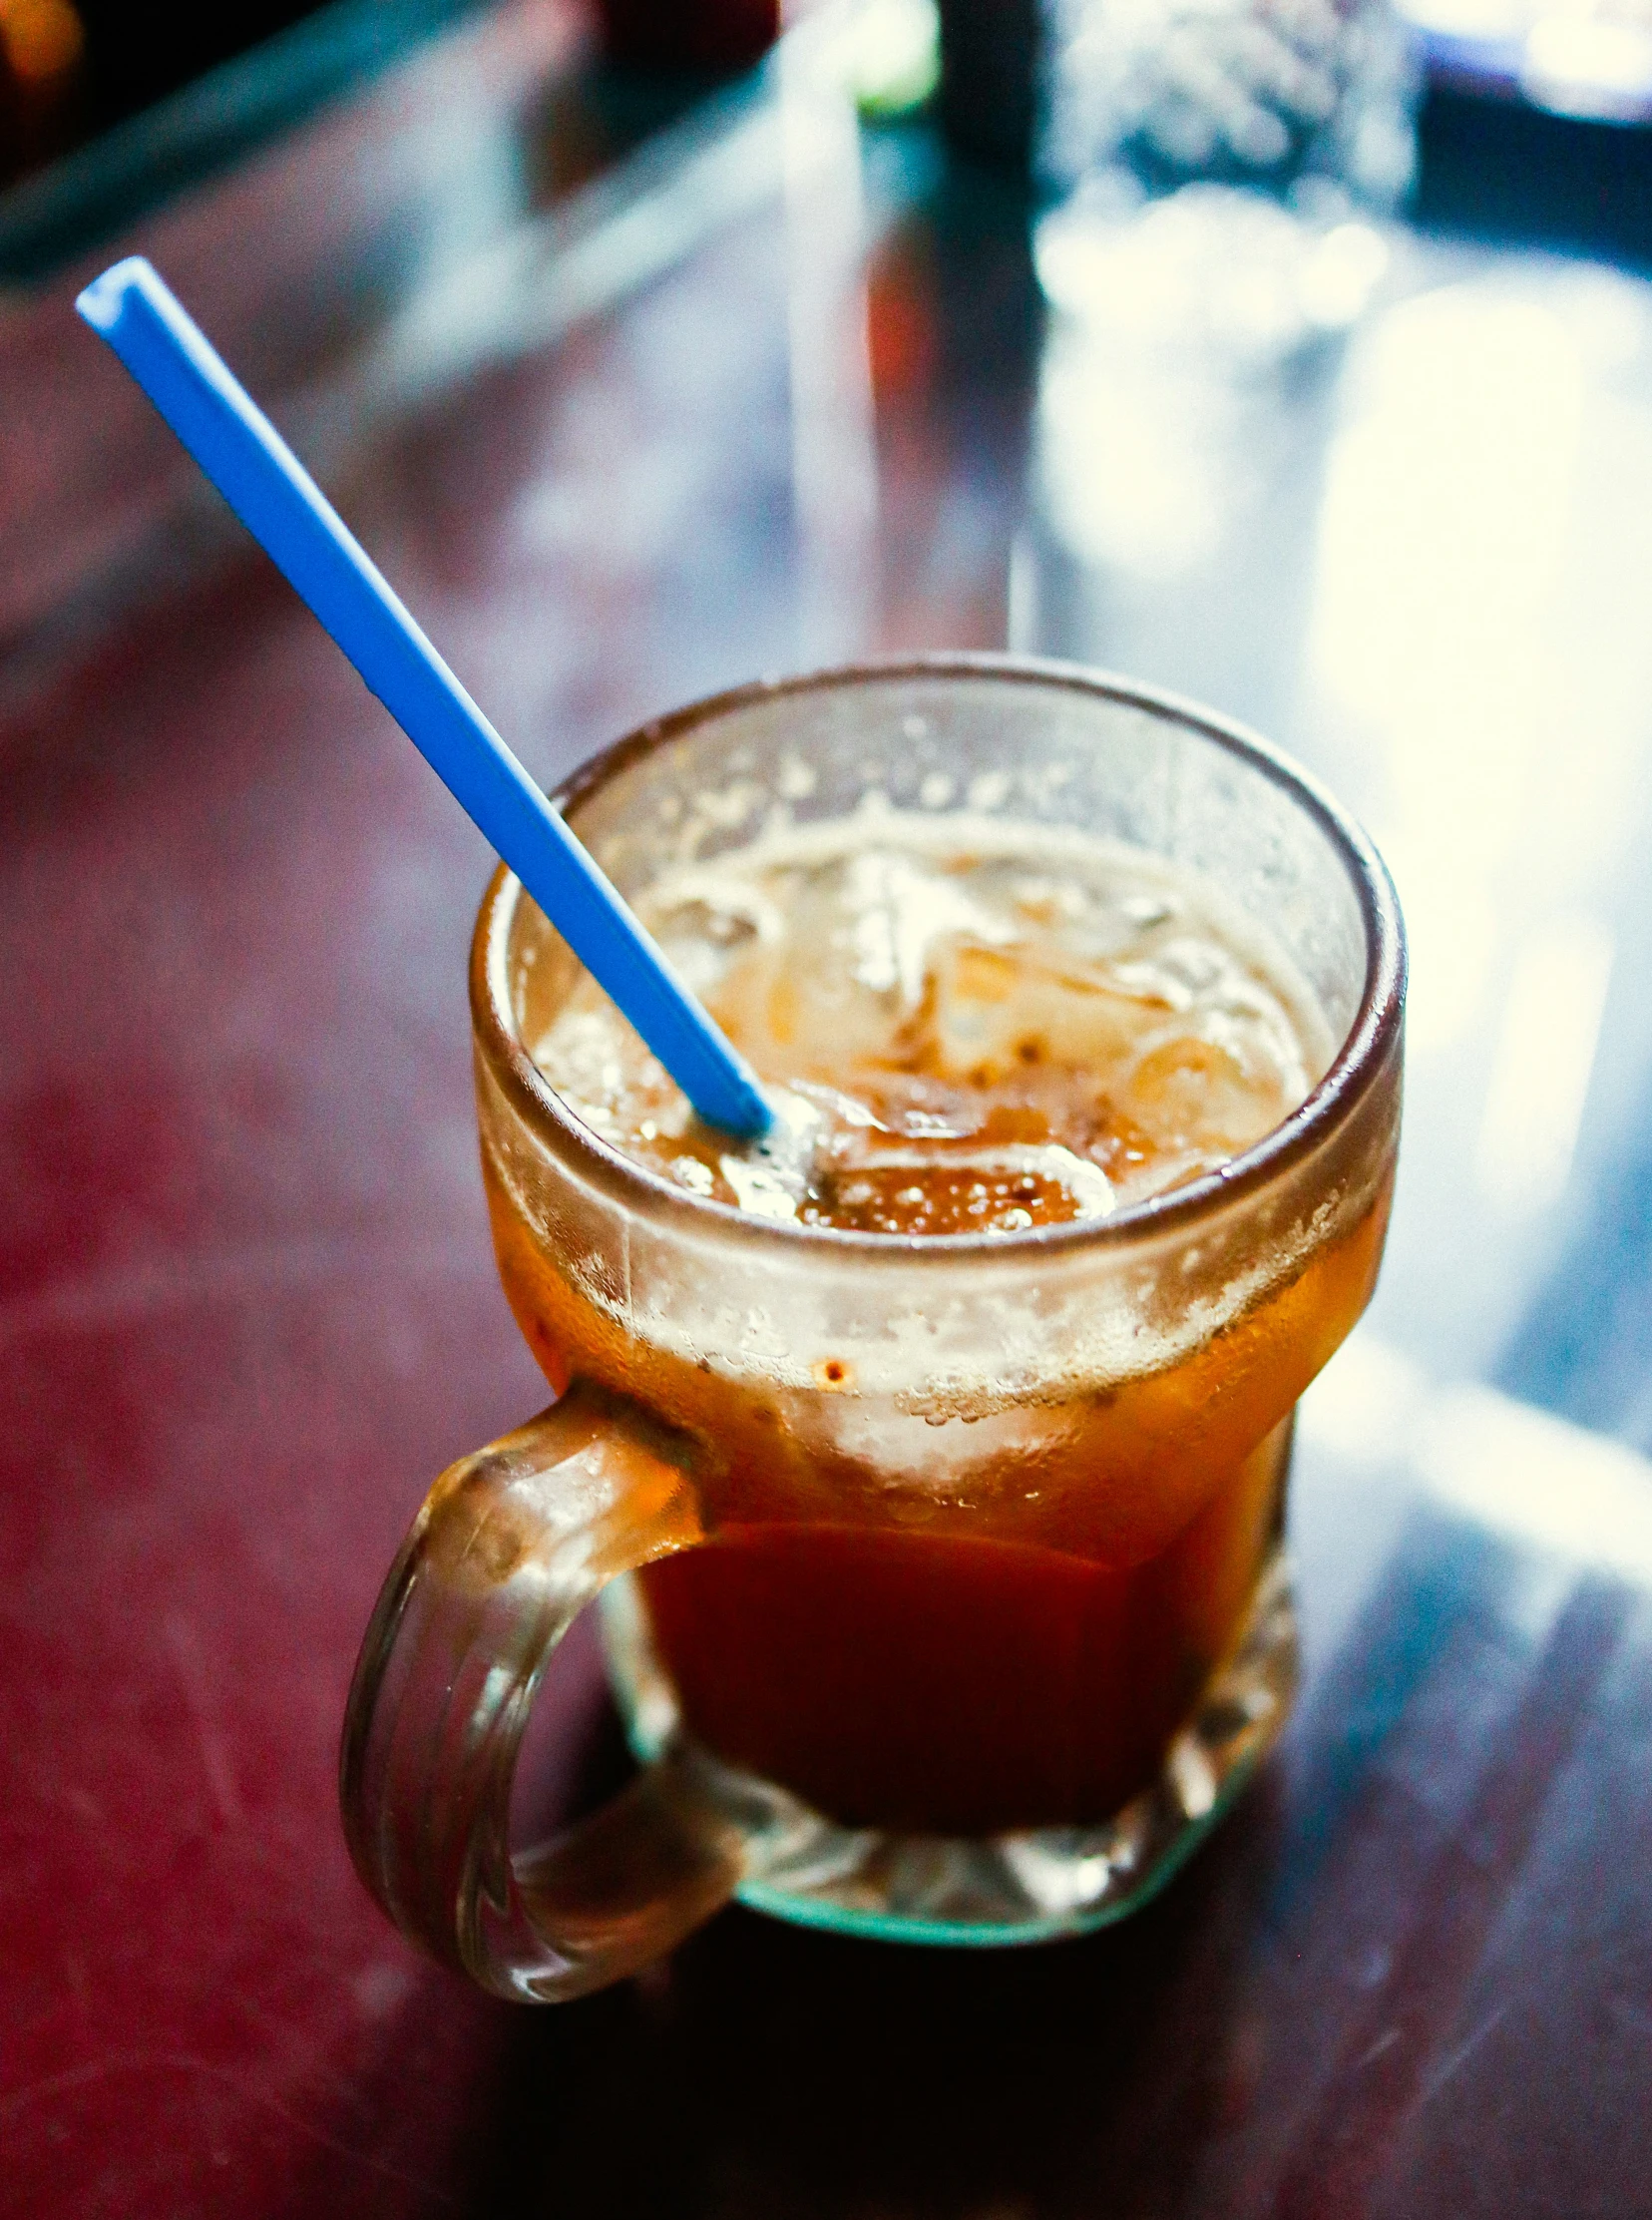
(72, 71)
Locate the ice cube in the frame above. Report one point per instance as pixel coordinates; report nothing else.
(995, 1010)
(853, 972)
(1191, 1092)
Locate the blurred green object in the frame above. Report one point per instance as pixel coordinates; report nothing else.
(898, 63)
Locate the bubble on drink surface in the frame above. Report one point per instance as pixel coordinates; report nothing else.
(964, 1027)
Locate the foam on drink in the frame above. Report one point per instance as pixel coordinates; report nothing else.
(963, 1026)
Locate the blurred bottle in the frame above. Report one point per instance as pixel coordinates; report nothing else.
(715, 37)
(989, 76)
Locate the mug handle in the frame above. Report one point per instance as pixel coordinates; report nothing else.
(511, 1544)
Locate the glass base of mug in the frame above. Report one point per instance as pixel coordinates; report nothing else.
(991, 1891)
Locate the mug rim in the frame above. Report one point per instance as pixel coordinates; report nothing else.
(1362, 1057)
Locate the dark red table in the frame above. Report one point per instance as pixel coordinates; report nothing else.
(758, 395)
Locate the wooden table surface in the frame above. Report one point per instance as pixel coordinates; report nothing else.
(759, 396)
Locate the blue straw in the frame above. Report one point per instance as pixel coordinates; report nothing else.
(281, 506)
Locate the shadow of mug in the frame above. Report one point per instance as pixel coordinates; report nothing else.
(770, 2069)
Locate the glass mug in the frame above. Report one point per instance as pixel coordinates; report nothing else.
(941, 1578)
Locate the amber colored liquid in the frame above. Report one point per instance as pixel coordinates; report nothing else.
(953, 1683)
(1011, 1031)
(984, 1672)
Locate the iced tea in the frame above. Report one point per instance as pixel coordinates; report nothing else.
(971, 1032)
